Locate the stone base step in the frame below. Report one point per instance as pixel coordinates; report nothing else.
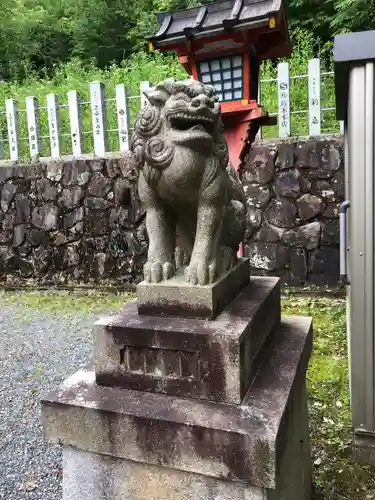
(260, 446)
(189, 357)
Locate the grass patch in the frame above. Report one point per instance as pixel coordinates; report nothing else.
(60, 303)
(336, 475)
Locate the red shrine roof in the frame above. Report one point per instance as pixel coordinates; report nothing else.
(215, 18)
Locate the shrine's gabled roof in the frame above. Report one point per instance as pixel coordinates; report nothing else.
(213, 19)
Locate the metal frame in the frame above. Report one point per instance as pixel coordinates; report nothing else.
(360, 166)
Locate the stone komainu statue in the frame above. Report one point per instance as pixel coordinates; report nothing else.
(194, 201)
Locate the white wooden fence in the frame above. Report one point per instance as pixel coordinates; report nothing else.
(50, 144)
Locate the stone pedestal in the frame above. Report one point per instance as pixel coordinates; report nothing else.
(190, 409)
(175, 297)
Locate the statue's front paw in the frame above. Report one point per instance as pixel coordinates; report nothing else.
(154, 272)
(181, 257)
(200, 273)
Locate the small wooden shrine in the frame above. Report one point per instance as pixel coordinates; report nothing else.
(223, 44)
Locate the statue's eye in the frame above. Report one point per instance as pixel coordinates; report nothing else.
(191, 92)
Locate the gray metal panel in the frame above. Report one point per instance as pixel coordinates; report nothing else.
(361, 226)
(354, 47)
(349, 48)
(369, 245)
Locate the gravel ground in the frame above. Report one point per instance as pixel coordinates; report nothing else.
(38, 350)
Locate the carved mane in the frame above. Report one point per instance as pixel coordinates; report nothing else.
(150, 151)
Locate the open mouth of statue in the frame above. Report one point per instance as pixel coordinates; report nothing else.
(189, 123)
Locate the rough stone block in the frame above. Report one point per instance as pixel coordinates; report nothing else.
(189, 357)
(307, 154)
(7, 195)
(287, 184)
(306, 236)
(45, 217)
(325, 262)
(281, 212)
(331, 233)
(257, 196)
(260, 447)
(269, 233)
(260, 167)
(309, 206)
(298, 265)
(285, 155)
(175, 297)
(22, 209)
(323, 190)
(254, 220)
(338, 184)
(268, 256)
(76, 172)
(332, 211)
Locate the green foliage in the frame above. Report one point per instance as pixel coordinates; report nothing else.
(335, 16)
(354, 15)
(304, 48)
(75, 75)
(154, 67)
(40, 34)
(336, 475)
(37, 35)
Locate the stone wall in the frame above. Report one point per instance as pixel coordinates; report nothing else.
(79, 221)
(69, 222)
(294, 190)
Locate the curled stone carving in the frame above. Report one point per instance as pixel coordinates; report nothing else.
(196, 207)
(158, 153)
(148, 122)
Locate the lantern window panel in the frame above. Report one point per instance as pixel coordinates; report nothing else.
(225, 73)
(205, 67)
(226, 63)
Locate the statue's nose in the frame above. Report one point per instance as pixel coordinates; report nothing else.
(202, 100)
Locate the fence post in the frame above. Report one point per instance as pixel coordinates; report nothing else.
(54, 124)
(259, 134)
(123, 117)
(1, 144)
(144, 86)
(283, 85)
(11, 107)
(33, 126)
(314, 97)
(99, 117)
(75, 118)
